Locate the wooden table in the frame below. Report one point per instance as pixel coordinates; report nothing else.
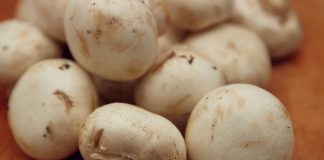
(297, 81)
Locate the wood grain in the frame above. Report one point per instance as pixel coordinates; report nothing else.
(297, 81)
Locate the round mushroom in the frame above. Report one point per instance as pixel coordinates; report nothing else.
(197, 14)
(48, 107)
(123, 131)
(48, 15)
(239, 121)
(238, 52)
(21, 45)
(115, 40)
(174, 86)
(273, 20)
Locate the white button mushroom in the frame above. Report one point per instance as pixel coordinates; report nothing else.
(197, 14)
(239, 53)
(48, 107)
(277, 25)
(239, 122)
(173, 87)
(115, 40)
(122, 131)
(21, 45)
(48, 15)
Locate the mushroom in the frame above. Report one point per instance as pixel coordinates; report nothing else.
(239, 121)
(174, 86)
(123, 131)
(273, 20)
(160, 14)
(115, 40)
(21, 45)
(111, 91)
(171, 37)
(197, 14)
(48, 15)
(48, 107)
(238, 52)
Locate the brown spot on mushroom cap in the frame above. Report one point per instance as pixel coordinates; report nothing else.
(95, 138)
(232, 45)
(285, 111)
(97, 33)
(253, 144)
(48, 131)
(189, 58)
(83, 45)
(65, 66)
(241, 102)
(270, 117)
(65, 98)
(5, 47)
(131, 70)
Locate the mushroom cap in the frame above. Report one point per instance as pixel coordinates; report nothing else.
(48, 107)
(115, 40)
(21, 45)
(237, 51)
(281, 31)
(48, 15)
(173, 87)
(197, 14)
(239, 121)
(123, 131)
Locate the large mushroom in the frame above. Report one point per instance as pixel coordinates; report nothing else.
(239, 121)
(115, 40)
(120, 131)
(175, 85)
(48, 107)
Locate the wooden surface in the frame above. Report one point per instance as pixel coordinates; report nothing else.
(297, 81)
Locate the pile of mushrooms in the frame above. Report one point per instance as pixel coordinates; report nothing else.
(148, 79)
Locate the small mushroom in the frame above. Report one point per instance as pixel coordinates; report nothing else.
(122, 131)
(174, 86)
(197, 14)
(239, 121)
(48, 15)
(115, 40)
(238, 52)
(21, 45)
(273, 20)
(48, 107)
